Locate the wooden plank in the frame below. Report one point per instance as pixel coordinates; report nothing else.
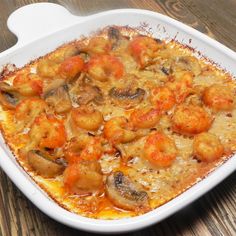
(219, 16)
(213, 214)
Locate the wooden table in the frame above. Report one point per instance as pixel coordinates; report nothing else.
(214, 213)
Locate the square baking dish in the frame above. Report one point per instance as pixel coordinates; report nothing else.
(38, 33)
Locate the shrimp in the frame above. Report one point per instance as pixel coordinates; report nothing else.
(145, 118)
(190, 120)
(47, 68)
(118, 130)
(83, 147)
(104, 67)
(86, 118)
(64, 52)
(83, 177)
(160, 150)
(181, 86)
(93, 150)
(71, 67)
(58, 98)
(219, 97)
(207, 147)
(76, 144)
(162, 98)
(47, 132)
(27, 110)
(98, 45)
(67, 69)
(28, 84)
(143, 49)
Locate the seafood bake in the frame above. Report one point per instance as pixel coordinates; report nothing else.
(117, 124)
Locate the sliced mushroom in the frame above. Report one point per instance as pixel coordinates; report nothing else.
(59, 99)
(114, 36)
(188, 63)
(6, 87)
(83, 92)
(117, 39)
(124, 194)
(71, 51)
(89, 93)
(114, 33)
(52, 84)
(9, 98)
(126, 97)
(126, 93)
(165, 70)
(43, 165)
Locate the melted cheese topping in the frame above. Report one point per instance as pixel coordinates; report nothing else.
(161, 184)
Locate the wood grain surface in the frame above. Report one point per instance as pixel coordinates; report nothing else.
(214, 213)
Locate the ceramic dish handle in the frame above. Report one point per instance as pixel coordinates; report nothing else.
(38, 20)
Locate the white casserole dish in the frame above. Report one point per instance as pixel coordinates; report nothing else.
(41, 28)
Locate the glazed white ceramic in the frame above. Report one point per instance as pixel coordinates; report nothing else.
(42, 27)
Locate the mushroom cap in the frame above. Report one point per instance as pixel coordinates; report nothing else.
(126, 97)
(124, 194)
(43, 165)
